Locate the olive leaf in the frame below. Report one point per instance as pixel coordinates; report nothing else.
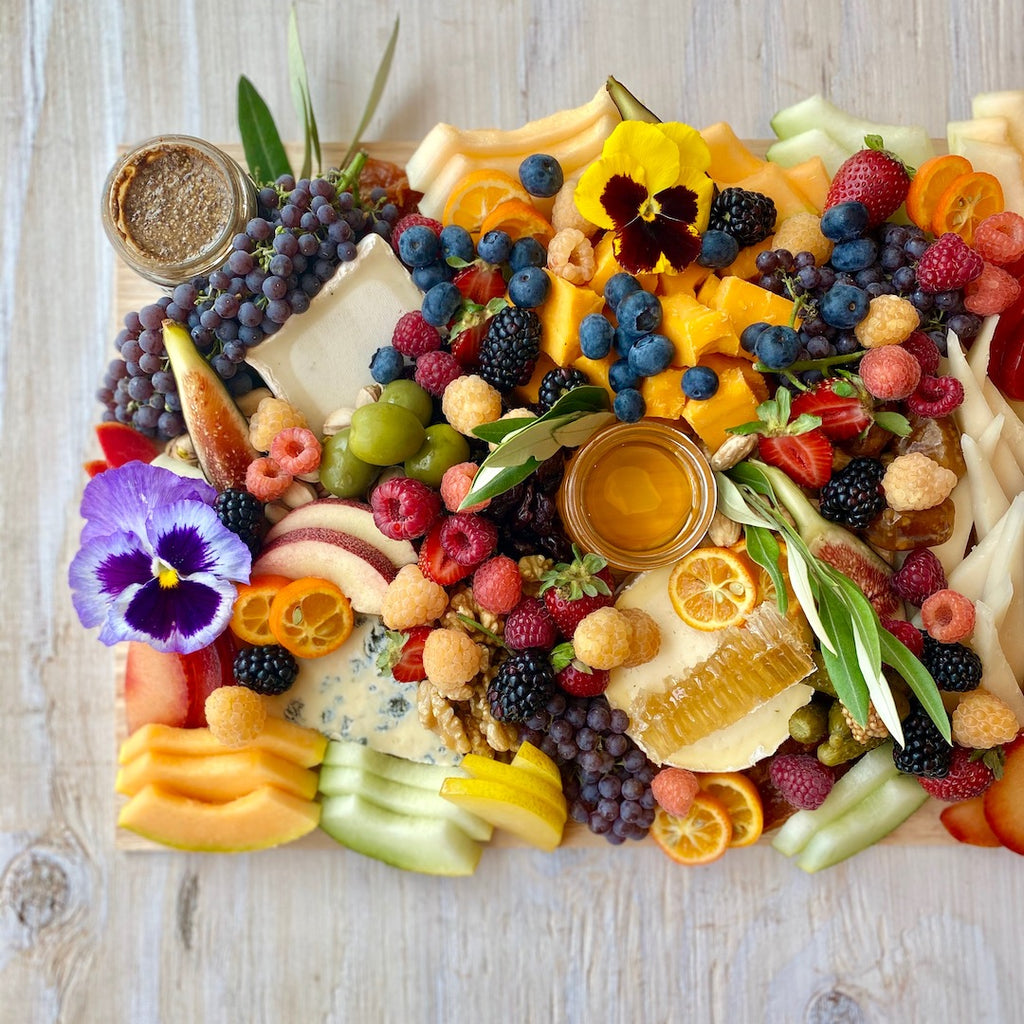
(376, 91)
(264, 151)
(498, 430)
(764, 549)
(894, 653)
(301, 98)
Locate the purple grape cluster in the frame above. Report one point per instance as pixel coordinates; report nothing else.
(303, 231)
(605, 775)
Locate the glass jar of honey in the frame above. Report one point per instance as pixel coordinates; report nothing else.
(640, 494)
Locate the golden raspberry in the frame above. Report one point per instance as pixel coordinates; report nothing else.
(914, 482)
(235, 714)
(570, 255)
(272, 416)
(802, 233)
(603, 638)
(451, 658)
(982, 720)
(890, 320)
(469, 401)
(646, 639)
(412, 600)
(565, 213)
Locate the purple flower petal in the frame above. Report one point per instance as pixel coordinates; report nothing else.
(120, 499)
(622, 199)
(189, 536)
(678, 203)
(103, 570)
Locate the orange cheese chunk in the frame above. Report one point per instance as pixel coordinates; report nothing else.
(745, 304)
(663, 394)
(732, 404)
(560, 315)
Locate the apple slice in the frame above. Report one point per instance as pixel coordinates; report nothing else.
(352, 517)
(361, 570)
(1004, 800)
(486, 769)
(156, 687)
(530, 758)
(965, 822)
(519, 811)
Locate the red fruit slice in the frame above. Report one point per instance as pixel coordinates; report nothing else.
(121, 444)
(805, 458)
(480, 283)
(1004, 800)
(965, 822)
(842, 416)
(156, 687)
(436, 564)
(206, 671)
(95, 466)
(1006, 360)
(409, 667)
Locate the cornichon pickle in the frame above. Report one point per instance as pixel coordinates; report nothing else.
(809, 724)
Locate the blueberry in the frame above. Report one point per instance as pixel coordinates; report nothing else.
(623, 341)
(700, 383)
(717, 249)
(426, 277)
(622, 376)
(596, 336)
(904, 279)
(629, 405)
(858, 254)
(541, 175)
(441, 303)
(639, 312)
(845, 221)
(777, 347)
(750, 335)
(494, 247)
(528, 288)
(843, 306)
(457, 243)
(418, 246)
(618, 287)
(387, 365)
(651, 354)
(527, 252)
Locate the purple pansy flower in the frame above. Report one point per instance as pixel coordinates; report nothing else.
(155, 562)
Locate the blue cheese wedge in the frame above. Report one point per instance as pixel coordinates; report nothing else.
(345, 697)
(318, 361)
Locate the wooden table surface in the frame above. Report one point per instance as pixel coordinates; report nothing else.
(88, 933)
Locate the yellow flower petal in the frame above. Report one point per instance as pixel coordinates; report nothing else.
(693, 150)
(593, 182)
(704, 188)
(649, 147)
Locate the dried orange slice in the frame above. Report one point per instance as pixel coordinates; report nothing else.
(478, 193)
(932, 179)
(250, 617)
(966, 203)
(699, 838)
(311, 617)
(712, 588)
(739, 796)
(518, 220)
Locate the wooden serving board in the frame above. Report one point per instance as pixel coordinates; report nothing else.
(131, 292)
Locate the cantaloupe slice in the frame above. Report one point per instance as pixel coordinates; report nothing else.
(265, 817)
(731, 160)
(811, 179)
(771, 181)
(215, 777)
(301, 746)
(747, 304)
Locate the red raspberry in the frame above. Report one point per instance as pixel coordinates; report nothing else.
(296, 449)
(948, 263)
(413, 336)
(674, 789)
(890, 372)
(583, 682)
(919, 577)
(468, 538)
(410, 220)
(924, 350)
(967, 777)
(403, 508)
(529, 624)
(991, 292)
(1000, 238)
(266, 479)
(802, 779)
(936, 396)
(906, 632)
(498, 585)
(436, 370)
(948, 616)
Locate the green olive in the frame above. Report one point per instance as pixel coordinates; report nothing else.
(411, 396)
(442, 448)
(341, 472)
(384, 434)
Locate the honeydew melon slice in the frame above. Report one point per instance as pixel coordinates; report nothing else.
(1008, 104)
(981, 129)
(1000, 159)
(389, 766)
(813, 142)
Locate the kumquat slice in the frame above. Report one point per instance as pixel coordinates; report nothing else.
(311, 617)
(250, 617)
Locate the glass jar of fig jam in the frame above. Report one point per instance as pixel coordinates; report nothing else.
(173, 204)
(640, 494)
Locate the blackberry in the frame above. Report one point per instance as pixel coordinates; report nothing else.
(557, 382)
(926, 752)
(854, 495)
(954, 667)
(523, 685)
(509, 349)
(242, 514)
(748, 216)
(269, 670)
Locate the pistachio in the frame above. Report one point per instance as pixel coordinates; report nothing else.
(338, 420)
(368, 395)
(298, 493)
(182, 449)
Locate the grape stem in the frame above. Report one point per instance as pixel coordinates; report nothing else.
(347, 180)
(813, 364)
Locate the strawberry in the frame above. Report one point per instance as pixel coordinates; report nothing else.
(965, 822)
(572, 590)
(465, 344)
(480, 282)
(969, 775)
(799, 447)
(874, 177)
(842, 407)
(435, 564)
(403, 656)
